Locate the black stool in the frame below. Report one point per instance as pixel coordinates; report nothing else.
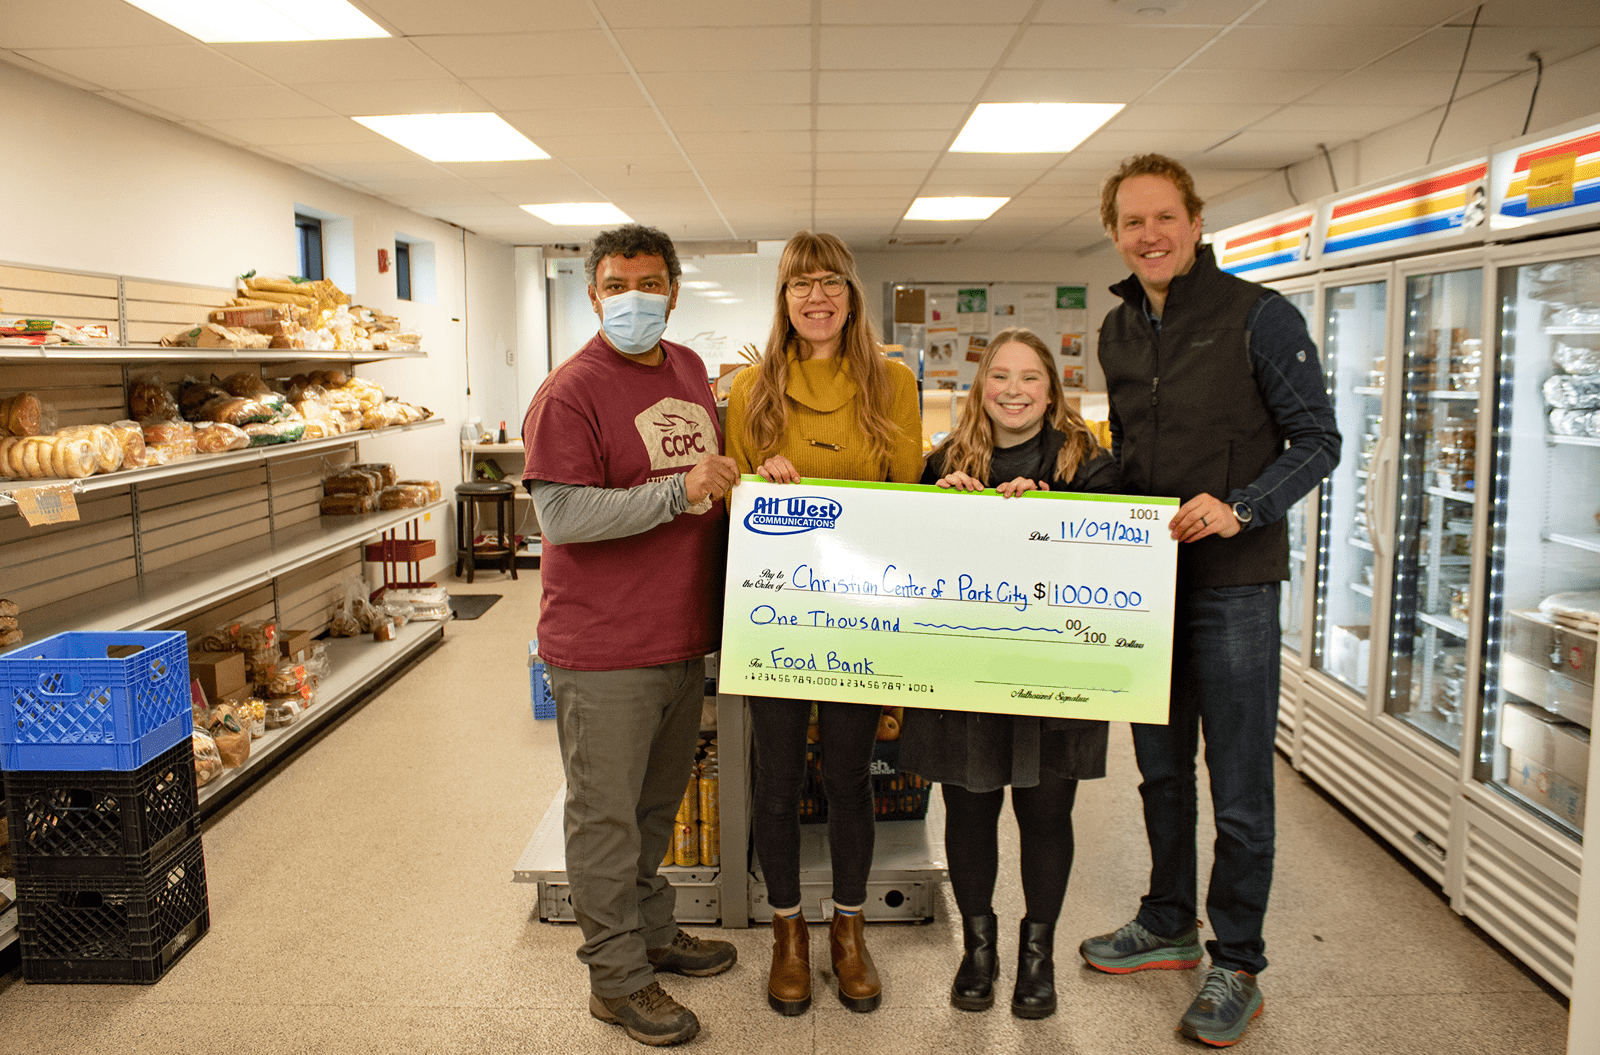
(504, 546)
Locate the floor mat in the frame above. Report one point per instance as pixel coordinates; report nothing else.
(472, 605)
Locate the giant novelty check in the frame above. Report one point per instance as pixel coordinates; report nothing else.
(1048, 604)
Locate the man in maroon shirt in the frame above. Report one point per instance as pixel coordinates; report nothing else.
(624, 466)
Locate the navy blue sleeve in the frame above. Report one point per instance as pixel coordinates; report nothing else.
(1289, 376)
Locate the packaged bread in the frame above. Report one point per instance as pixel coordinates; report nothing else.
(194, 394)
(107, 448)
(168, 441)
(231, 736)
(285, 679)
(234, 410)
(253, 715)
(55, 456)
(246, 383)
(257, 636)
(148, 399)
(368, 393)
(214, 437)
(349, 504)
(207, 759)
(9, 609)
(258, 317)
(402, 497)
(22, 415)
(329, 378)
(384, 471)
(432, 487)
(130, 435)
(352, 482)
(266, 433)
(224, 638)
(280, 712)
(258, 665)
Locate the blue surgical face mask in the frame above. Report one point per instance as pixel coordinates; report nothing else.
(634, 321)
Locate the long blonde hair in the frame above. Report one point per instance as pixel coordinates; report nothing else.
(970, 445)
(767, 416)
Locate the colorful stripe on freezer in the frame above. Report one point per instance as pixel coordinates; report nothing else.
(1427, 206)
(1574, 162)
(1277, 243)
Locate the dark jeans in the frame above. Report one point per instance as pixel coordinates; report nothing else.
(778, 728)
(1225, 659)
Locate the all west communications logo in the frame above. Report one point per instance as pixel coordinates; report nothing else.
(792, 516)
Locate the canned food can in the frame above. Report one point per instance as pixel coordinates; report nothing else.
(689, 808)
(710, 844)
(686, 845)
(710, 812)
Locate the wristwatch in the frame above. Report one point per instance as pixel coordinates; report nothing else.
(1242, 513)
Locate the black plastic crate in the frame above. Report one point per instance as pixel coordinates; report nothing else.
(108, 822)
(98, 929)
(896, 796)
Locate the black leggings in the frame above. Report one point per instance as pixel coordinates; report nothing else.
(778, 728)
(972, 844)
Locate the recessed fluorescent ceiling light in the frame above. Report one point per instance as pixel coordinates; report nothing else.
(235, 21)
(579, 213)
(1031, 128)
(699, 283)
(456, 137)
(954, 208)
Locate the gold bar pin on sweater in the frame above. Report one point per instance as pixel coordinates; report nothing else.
(830, 446)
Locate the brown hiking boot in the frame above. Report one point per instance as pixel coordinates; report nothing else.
(789, 984)
(649, 1016)
(695, 957)
(859, 988)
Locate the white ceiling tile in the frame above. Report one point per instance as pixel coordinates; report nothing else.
(918, 12)
(364, 98)
(651, 14)
(1105, 47)
(906, 179)
(736, 118)
(1375, 87)
(694, 88)
(1544, 13)
(1029, 165)
(743, 48)
(436, 197)
(946, 118)
(1071, 86)
(720, 182)
(1302, 47)
(362, 171)
(912, 47)
(620, 123)
(750, 165)
(1174, 144)
(1264, 150)
(871, 160)
(377, 150)
(162, 66)
(760, 142)
(935, 140)
(1493, 48)
(204, 104)
(1362, 12)
(416, 18)
(1236, 86)
(1343, 121)
(969, 185)
(1098, 12)
(1144, 117)
(524, 54)
(597, 144)
(852, 87)
(310, 61)
(274, 131)
(82, 24)
(643, 166)
(609, 90)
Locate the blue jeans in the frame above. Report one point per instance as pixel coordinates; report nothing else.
(1225, 660)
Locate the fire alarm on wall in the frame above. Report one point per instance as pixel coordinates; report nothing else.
(383, 261)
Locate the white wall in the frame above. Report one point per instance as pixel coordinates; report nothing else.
(1490, 116)
(94, 187)
(1097, 270)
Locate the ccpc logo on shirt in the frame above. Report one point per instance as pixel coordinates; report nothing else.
(792, 515)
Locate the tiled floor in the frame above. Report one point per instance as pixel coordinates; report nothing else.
(361, 901)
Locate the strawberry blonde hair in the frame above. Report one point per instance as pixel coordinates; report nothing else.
(767, 414)
(970, 445)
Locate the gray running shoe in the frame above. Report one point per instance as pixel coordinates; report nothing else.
(1228, 1002)
(1132, 948)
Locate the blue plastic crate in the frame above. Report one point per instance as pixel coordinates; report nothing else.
(70, 702)
(544, 704)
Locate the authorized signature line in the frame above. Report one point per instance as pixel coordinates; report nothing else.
(1036, 685)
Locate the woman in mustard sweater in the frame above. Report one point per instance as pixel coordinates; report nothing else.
(823, 403)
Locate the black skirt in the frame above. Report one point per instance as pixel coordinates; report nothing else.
(984, 752)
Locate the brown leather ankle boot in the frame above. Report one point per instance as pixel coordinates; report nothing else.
(859, 988)
(789, 984)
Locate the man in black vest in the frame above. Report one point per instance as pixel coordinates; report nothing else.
(1217, 399)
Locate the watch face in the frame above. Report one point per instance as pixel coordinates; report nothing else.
(1241, 512)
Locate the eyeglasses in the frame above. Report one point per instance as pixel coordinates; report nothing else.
(832, 285)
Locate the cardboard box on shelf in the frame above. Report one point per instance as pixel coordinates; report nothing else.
(1547, 788)
(1349, 654)
(1543, 738)
(294, 644)
(1539, 639)
(219, 673)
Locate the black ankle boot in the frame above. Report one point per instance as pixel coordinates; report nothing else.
(973, 989)
(1035, 995)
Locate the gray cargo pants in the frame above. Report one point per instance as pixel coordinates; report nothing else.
(627, 745)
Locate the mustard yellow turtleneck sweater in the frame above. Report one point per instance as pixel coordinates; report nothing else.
(822, 410)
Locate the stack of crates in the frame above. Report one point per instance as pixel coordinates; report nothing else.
(102, 806)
